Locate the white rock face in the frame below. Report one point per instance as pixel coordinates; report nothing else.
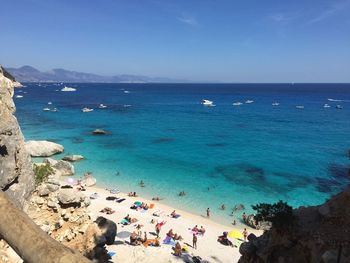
(43, 148)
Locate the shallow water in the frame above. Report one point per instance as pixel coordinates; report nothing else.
(224, 154)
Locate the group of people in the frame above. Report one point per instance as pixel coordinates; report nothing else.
(136, 239)
(198, 231)
(174, 236)
(132, 194)
(128, 220)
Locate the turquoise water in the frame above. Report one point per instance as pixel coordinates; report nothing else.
(223, 154)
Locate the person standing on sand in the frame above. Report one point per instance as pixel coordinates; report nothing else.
(245, 234)
(244, 217)
(208, 212)
(194, 241)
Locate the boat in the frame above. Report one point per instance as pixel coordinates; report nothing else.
(126, 91)
(46, 109)
(68, 89)
(102, 106)
(249, 101)
(126, 105)
(54, 109)
(207, 103)
(339, 107)
(299, 107)
(19, 96)
(49, 103)
(326, 106)
(275, 104)
(238, 103)
(86, 109)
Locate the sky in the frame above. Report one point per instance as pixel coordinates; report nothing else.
(202, 40)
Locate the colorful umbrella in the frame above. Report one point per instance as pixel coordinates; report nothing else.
(235, 234)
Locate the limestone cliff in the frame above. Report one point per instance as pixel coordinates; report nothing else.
(319, 234)
(16, 173)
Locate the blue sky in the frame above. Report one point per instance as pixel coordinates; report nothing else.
(203, 40)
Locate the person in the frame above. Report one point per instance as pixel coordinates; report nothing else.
(139, 232)
(178, 249)
(142, 184)
(170, 233)
(244, 217)
(133, 239)
(208, 212)
(173, 214)
(156, 198)
(224, 240)
(202, 230)
(158, 227)
(234, 222)
(223, 207)
(245, 234)
(195, 229)
(177, 237)
(194, 241)
(145, 237)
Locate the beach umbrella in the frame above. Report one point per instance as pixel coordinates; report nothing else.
(70, 180)
(235, 234)
(124, 234)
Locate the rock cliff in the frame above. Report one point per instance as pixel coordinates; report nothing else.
(319, 234)
(16, 173)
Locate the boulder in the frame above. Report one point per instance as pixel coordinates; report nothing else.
(43, 190)
(64, 168)
(89, 180)
(109, 229)
(43, 148)
(69, 196)
(99, 132)
(50, 161)
(73, 158)
(52, 184)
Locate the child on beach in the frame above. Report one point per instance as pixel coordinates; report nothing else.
(245, 234)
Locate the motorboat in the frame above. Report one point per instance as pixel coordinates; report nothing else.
(238, 103)
(207, 103)
(249, 101)
(86, 109)
(46, 109)
(339, 107)
(19, 96)
(68, 89)
(326, 106)
(299, 107)
(54, 109)
(126, 91)
(49, 103)
(275, 104)
(102, 106)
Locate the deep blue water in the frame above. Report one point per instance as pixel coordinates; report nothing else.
(223, 154)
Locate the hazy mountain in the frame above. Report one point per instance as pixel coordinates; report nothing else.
(30, 74)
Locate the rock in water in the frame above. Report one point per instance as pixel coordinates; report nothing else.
(43, 148)
(73, 158)
(16, 173)
(99, 132)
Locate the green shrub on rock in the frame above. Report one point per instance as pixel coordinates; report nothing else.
(41, 172)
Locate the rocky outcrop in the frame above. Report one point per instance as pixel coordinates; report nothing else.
(43, 148)
(60, 167)
(319, 234)
(16, 173)
(73, 158)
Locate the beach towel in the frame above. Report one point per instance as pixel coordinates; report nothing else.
(151, 206)
(176, 216)
(169, 241)
(120, 200)
(124, 222)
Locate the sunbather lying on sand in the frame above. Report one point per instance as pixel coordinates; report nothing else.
(107, 210)
(224, 240)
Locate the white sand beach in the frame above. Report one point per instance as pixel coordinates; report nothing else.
(208, 247)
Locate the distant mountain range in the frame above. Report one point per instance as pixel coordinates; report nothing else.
(30, 74)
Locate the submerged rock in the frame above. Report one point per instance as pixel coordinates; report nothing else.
(99, 132)
(73, 158)
(43, 148)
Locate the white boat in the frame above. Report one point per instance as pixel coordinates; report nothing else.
(102, 106)
(207, 103)
(126, 91)
(299, 107)
(49, 103)
(326, 106)
(238, 103)
(249, 101)
(54, 109)
(19, 96)
(126, 105)
(68, 89)
(275, 104)
(339, 107)
(46, 109)
(86, 109)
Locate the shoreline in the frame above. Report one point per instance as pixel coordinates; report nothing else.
(208, 247)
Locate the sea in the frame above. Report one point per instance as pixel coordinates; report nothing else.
(225, 154)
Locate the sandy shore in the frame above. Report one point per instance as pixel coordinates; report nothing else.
(208, 247)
